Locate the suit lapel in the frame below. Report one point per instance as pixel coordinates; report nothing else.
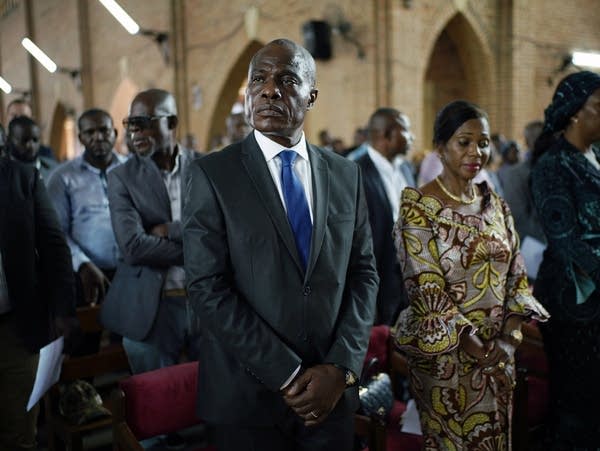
(259, 174)
(149, 175)
(371, 176)
(320, 182)
(5, 186)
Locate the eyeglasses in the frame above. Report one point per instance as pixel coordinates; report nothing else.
(140, 122)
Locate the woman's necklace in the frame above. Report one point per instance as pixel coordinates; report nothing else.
(456, 198)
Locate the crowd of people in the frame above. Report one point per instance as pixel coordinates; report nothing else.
(272, 258)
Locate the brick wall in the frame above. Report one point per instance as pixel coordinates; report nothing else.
(506, 51)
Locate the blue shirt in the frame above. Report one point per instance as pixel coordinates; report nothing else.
(79, 193)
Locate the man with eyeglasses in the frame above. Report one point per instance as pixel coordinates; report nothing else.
(79, 192)
(147, 302)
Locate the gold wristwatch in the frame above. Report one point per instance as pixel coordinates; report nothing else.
(349, 377)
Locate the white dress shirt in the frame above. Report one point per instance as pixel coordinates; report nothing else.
(271, 149)
(175, 278)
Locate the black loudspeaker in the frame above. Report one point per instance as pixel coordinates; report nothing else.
(317, 38)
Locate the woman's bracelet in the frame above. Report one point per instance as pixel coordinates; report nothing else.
(515, 336)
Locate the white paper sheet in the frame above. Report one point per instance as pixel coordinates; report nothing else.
(48, 371)
(533, 252)
(410, 419)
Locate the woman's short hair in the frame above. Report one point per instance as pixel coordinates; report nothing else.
(452, 116)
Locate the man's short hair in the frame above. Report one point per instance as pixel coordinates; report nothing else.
(20, 121)
(92, 112)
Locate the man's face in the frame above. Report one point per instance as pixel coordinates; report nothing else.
(16, 110)
(237, 127)
(97, 135)
(148, 131)
(25, 142)
(280, 91)
(401, 137)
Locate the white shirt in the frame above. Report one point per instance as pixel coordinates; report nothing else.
(176, 274)
(591, 156)
(4, 304)
(270, 150)
(393, 180)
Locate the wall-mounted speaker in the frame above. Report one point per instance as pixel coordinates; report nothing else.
(317, 38)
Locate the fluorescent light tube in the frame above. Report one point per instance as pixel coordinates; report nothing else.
(121, 15)
(5, 86)
(586, 59)
(39, 55)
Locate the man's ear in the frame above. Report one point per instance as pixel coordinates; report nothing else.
(172, 121)
(116, 133)
(312, 98)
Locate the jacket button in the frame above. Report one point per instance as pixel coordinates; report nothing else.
(306, 291)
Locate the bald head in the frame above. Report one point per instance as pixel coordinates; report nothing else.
(389, 132)
(161, 102)
(302, 58)
(152, 123)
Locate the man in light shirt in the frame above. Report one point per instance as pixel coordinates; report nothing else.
(385, 174)
(280, 270)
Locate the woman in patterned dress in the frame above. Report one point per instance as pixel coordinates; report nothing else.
(565, 186)
(468, 293)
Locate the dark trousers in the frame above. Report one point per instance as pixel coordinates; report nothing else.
(175, 329)
(335, 433)
(17, 374)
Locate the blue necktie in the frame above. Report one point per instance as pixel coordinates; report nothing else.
(297, 207)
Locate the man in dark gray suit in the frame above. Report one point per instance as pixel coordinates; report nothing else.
(280, 271)
(385, 174)
(147, 302)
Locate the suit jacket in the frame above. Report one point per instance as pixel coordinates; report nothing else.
(262, 315)
(566, 192)
(392, 296)
(515, 186)
(138, 200)
(35, 255)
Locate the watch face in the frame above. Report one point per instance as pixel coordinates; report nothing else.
(350, 379)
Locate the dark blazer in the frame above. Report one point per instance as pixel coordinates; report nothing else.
(566, 192)
(262, 316)
(392, 296)
(138, 200)
(516, 193)
(35, 255)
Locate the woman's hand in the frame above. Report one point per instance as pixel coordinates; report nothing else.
(500, 364)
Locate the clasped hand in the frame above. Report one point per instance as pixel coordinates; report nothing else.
(315, 393)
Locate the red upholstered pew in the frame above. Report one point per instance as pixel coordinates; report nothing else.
(155, 403)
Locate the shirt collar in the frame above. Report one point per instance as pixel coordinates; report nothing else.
(116, 160)
(379, 160)
(271, 149)
(177, 162)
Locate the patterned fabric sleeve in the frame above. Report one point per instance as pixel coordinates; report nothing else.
(432, 323)
(518, 299)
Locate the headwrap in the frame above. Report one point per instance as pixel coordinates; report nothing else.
(569, 97)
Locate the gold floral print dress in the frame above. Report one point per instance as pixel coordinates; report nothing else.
(463, 274)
